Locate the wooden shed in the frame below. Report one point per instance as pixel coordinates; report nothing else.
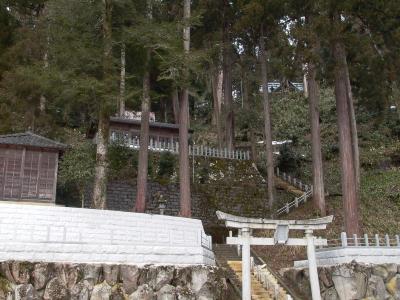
(28, 167)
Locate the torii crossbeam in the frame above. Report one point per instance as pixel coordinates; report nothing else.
(281, 236)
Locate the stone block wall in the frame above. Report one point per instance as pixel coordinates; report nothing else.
(55, 281)
(349, 281)
(63, 234)
(242, 199)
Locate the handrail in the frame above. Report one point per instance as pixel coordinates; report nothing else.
(308, 190)
(173, 147)
(288, 289)
(364, 241)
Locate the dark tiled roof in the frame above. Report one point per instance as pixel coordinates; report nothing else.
(152, 124)
(30, 139)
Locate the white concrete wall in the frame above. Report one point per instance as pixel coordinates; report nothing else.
(61, 234)
(368, 255)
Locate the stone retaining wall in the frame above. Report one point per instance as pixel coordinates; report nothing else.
(349, 281)
(242, 199)
(51, 281)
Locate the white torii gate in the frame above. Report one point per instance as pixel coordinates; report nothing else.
(281, 236)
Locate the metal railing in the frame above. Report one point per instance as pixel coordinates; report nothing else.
(173, 147)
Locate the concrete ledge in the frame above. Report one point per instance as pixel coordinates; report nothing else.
(342, 255)
(61, 234)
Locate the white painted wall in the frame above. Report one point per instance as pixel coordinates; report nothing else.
(62, 234)
(368, 255)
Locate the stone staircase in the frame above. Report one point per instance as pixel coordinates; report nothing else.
(263, 286)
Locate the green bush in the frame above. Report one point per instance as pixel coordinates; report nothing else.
(166, 165)
(122, 162)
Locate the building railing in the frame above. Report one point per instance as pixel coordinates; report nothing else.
(306, 188)
(364, 241)
(173, 147)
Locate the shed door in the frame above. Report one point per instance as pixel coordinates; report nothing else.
(47, 169)
(30, 177)
(12, 173)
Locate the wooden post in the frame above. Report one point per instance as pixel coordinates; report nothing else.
(398, 240)
(287, 207)
(366, 240)
(296, 202)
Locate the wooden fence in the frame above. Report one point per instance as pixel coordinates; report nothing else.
(196, 150)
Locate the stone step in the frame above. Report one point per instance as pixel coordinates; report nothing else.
(258, 292)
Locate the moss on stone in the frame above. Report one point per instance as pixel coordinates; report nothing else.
(5, 285)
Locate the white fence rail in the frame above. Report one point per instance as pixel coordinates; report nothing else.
(295, 203)
(293, 181)
(173, 147)
(375, 249)
(365, 241)
(306, 188)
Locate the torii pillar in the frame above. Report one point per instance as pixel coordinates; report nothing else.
(281, 236)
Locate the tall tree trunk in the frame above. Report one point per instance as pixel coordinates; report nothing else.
(349, 184)
(140, 205)
(175, 105)
(144, 142)
(227, 86)
(267, 123)
(184, 172)
(122, 82)
(317, 166)
(248, 106)
(305, 85)
(353, 124)
(100, 178)
(217, 83)
(43, 99)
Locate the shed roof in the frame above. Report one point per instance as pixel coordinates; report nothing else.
(151, 124)
(30, 139)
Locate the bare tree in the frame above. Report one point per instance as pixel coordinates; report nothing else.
(184, 172)
(140, 205)
(103, 133)
(267, 122)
